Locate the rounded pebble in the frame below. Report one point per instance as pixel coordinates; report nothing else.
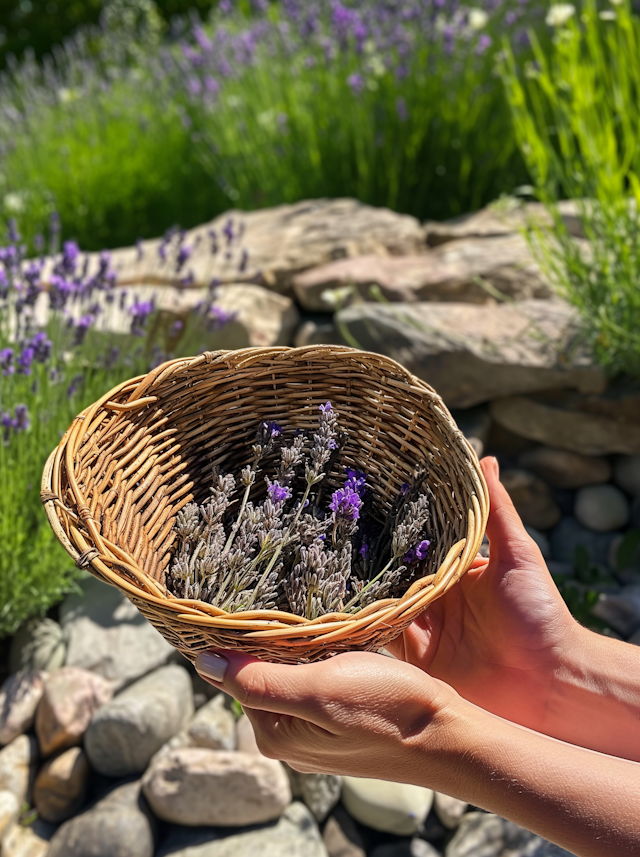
(601, 508)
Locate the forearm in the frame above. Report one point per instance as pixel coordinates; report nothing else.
(594, 699)
(583, 801)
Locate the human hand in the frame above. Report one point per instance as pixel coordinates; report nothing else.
(501, 635)
(358, 713)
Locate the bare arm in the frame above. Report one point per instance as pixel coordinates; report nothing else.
(370, 716)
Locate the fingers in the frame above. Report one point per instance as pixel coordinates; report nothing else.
(281, 688)
(510, 544)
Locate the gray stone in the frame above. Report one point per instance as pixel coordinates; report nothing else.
(449, 810)
(107, 635)
(70, 699)
(564, 469)
(213, 726)
(9, 812)
(482, 834)
(601, 508)
(61, 785)
(504, 217)
(621, 611)
(126, 732)
(341, 835)
(320, 792)
(406, 848)
(31, 841)
(468, 270)
(626, 473)
(532, 498)
(473, 354)
(38, 645)
(17, 767)
(313, 332)
(195, 786)
(397, 808)
(587, 423)
(294, 835)
(119, 825)
(569, 534)
(19, 698)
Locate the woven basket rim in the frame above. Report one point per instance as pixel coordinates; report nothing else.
(102, 558)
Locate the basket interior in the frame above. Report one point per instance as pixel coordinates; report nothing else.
(135, 470)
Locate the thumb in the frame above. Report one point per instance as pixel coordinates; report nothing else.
(279, 688)
(510, 544)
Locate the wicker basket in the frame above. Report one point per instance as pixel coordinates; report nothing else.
(132, 460)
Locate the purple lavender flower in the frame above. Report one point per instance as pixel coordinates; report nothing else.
(278, 493)
(81, 327)
(70, 256)
(346, 503)
(21, 418)
(364, 551)
(41, 346)
(140, 312)
(227, 231)
(72, 389)
(356, 481)
(25, 360)
(484, 43)
(273, 429)
(12, 230)
(218, 317)
(417, 553)
(356, 83)
(4, 285)
(244, 260)
(6, 361)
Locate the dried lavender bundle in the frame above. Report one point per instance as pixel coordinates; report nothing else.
(292, 550)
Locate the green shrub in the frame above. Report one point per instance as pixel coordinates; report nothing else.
(576, 114)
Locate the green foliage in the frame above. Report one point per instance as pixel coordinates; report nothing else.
(576, 114)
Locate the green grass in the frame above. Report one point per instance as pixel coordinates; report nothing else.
(576, 115)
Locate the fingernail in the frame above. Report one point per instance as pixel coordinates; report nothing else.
(211, 666)
(496, 465)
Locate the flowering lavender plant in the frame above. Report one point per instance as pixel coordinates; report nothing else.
(297, 549)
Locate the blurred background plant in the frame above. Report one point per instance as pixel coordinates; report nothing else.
(576, 115)
(132, 125)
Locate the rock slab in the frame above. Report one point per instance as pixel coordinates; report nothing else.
(70, 699)
(107, 635)
(19, 699)
(17, 767)
(396, 808)
(126, 732)
(473, 354)
(9, 812)
(61, 785)
(489, 835)
(564, 469)
(119, 825)
(195, 786)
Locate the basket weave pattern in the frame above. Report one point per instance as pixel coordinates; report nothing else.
(132, 460)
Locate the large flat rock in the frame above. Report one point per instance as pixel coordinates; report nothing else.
(473, 270)
(271, 245)
(473, 354)
(587, 423)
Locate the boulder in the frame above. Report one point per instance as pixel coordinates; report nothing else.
(119, 825)
(9, 813)
(569, 534)
(467, 270)
(492, 836)
(341, 835)
(587, 423)
(38, 645)
(213, 726)
(320, 792)
(19, 698)
(270, 246)
(31, 841)
(397, 808)
(621, 611)
(126, 732)
(564, 469)
(61, 785)
(504, 217)
(532, 498)
(295, 835)
(601, 508)
(107, 635)
(449, 810)
(195, 786)
(17, 767)
(473, 354)
(70, 699)
(626, 474)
